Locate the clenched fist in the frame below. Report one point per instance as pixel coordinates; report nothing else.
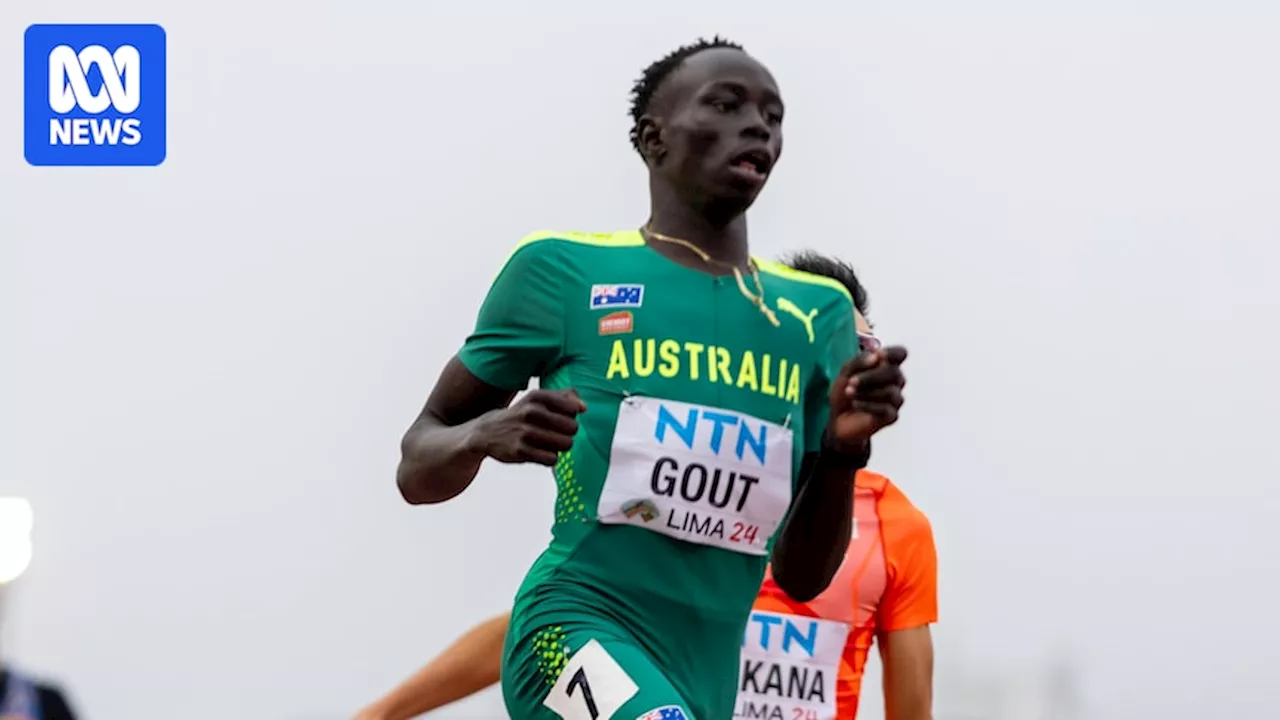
(538, 427)
(866, 396)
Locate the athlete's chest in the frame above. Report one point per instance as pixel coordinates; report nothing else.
(709, 396)
(671, 332)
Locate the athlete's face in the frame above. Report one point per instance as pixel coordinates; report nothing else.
(716, 129)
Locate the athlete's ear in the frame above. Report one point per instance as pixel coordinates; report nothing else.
(649, 135)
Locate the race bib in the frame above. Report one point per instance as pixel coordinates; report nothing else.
(697, 474)
(790, 665)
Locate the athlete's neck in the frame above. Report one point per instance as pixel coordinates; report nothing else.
(719, 232)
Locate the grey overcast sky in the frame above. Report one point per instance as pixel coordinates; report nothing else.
(1067, 210)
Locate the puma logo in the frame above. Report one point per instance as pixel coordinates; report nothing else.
(788, 307)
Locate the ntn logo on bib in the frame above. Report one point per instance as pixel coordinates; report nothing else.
(790, 667)
(699, 474)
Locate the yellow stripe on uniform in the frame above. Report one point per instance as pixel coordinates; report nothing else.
(774, 267)
(621, 238)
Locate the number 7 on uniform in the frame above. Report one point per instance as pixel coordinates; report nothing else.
(592, 686)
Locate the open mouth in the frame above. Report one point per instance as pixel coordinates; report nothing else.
(753, 162)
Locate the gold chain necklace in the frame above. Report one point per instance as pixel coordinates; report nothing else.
(756, 298)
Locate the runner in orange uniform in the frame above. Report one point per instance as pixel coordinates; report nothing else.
(800, 661)
(804, 661)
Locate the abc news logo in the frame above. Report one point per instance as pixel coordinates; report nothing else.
(69, 89)
(95, 95)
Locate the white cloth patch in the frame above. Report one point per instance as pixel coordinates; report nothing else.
(790, 665)
(698, 474)
(593, 686)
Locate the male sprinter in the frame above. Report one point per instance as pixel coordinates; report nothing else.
(691, 399)
(799, 660)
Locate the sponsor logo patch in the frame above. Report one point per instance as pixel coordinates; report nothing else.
(617, 323)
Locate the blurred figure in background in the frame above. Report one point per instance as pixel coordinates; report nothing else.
(798, 660)
(21, 697)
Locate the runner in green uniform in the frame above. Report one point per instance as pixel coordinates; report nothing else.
(692, 398)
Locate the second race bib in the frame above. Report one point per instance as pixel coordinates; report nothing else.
(790, 665)
(698, 474)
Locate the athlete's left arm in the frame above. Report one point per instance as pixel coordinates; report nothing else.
(812, 543)
(907, 657)
(854, 399)
(909, 606)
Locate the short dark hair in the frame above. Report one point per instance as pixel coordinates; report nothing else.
(643, 90)
(834, 268)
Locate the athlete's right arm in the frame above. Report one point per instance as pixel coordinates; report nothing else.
(519, 334)
(471, 664)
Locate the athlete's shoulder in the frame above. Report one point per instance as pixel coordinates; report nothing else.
(823, 290)
(553, 240)
(550, 250)
(896, 508)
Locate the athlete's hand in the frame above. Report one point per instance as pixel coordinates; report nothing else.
(866, 397)
(535, 429)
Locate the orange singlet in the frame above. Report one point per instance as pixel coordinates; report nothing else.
(804, 661)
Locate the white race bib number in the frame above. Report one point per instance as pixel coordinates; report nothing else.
(592, 686)
(790, 665)
(697, 474)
